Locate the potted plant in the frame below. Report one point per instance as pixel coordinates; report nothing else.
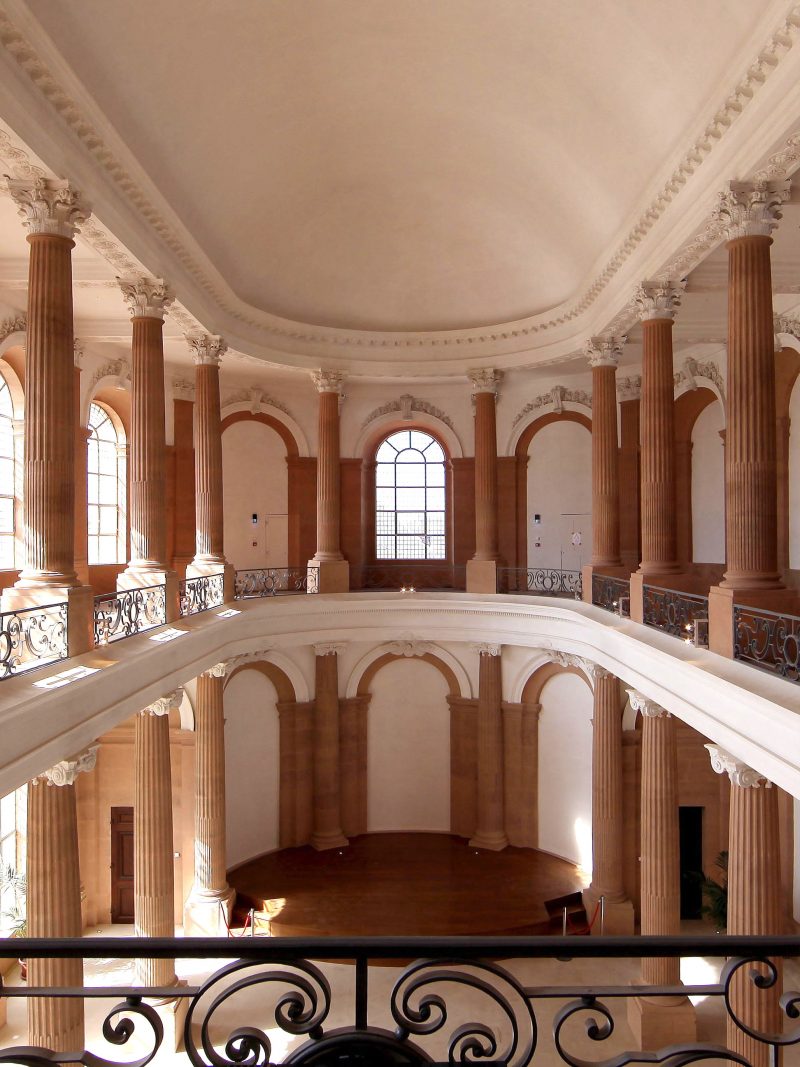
(15, 918)
(716, 895)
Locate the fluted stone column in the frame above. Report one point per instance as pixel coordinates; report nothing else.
(51, 211)
(211, 897)
(333, 570)
(660, 877)
(327, 813)
(482, 568)
(153, 861)
(490, 832)
(604, 355)
(148, 299)
(54, 900)
(754, 891)
(208, 350)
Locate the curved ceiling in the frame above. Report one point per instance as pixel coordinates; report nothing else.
(403, 164)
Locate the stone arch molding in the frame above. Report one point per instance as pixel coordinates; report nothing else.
(266, 406)
(393, 416)
(288, 667)
(115, 374)
(408, 647)
(700, 372)
(545, 657)
(571, 403)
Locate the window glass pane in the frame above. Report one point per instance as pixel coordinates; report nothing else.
(8, 808)
(385, 548)
(410, 548)
(7, 476)
(384, 522)
(108, 458)
(434, 472)
(108, 490)
(5, 399)
(107, 549)
(409, 522)
(436, 548)
(6, 437)
(434, 453)
(6, 515)
(400, 440)
(94, 520)
(435, 522)
(386, 453)
(410, 473)
(384, 474)
(410, 499)
(108, 521)
(6, 552)
(435, 499)
(413, 462)
(419, 440)
(384, 499)
(410, 455)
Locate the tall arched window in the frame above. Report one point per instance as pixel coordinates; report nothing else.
(106, 488)
(7, 525)
(410, 497)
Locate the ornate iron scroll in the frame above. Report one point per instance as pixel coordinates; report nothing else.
(611, 593)
(273, 581)
(674, 612)
(202, 593)
(128, 612)
(540, 581)
(32, 637)
(767, 639)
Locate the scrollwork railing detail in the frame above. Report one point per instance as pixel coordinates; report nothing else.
(613, 594)
(767, 639)
(274, 581)
(674, 612)
(128, 612)
(202, 593)
(540, 581)
(32, 637)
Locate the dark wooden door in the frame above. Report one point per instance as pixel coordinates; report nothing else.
(122, 865)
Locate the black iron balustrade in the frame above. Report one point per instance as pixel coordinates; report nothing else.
(613, 594)
(128, 612)
(502, 1020)
(275, 581)
(202, 593)
(679, 614)
(767, 639)
(32, 637)
(540, 581)
(412, 575)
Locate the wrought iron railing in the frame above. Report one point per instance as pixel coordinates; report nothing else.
(540, 581)
(767, 639)
(410, 575)
(275, 581)
(32, 637)
(271, 1003)
(128, 612)
(683, 615)
(202, 593)
(613, 594)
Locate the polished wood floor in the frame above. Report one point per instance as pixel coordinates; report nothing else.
(396, 884)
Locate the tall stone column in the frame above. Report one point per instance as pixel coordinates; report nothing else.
(327, 813)
(54, 900)
(608, 816)
(630, 517)
(211, 897)
(332, 569)
(153, 857)
(148, 299)
(482, 568)
(658, 1021)
(754, 897)
(490, 832)
(208, 350)
(51, 211)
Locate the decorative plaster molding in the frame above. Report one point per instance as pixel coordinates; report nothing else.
(146, 297)
(219, 670)
(646, 706)
(485, 381)
(685, 378)
(257, 398)
(556, 398)
(182, 389)
(604, 351)
(77, 351)
(406, 405)
(16, 324)
(114, 368)
(592, 670)
(164, 705)
(658, 299)
(751, 209)
(329, 648)
(738, 772)
(487, 649)
(782, 324)
(65, 772)
(327, 381)
(245, 658)
(629, 388)
(207, 348)
(16, 159)
(48, 206)
(409, 647)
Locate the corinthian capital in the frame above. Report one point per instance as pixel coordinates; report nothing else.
(485, 381)
(65, 772)
(658, 300)
(147, 298)
(738, 772)
(164, 705)
(646, 706)
(48, 205)
(751, 209)
(327, 381)
(219, 670)
(604, 351)
(207, 348)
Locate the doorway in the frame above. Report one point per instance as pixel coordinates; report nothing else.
(122, 865)
(691, 858)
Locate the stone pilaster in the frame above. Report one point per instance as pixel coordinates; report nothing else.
(208, 350)
(51, 211)
(333, 571)
(490, 832)
(327, 814)
(482, 568)
(54, 900)
(154, 877)
(754, 904)
(148, 299)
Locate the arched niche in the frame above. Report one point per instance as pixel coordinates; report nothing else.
(532, 689)
(700, 476)
(12, 367)
(456, 677)
(280, 421)
(283, 684)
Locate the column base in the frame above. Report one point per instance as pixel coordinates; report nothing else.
(131, 578)
(657, 1022)
(323, 842)
(200, 568)
(80, 605)
(618, 918)
(205, 914)
(494, 842)
(331, 575)
(481, 575)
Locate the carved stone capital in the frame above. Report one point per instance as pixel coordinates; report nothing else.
(785, 324)
(658, 300)
(48, 205)
(329, 648)
(485, 381)
(646, 706)
(604, 351)
(147, 298)
(219, 670)
(207, 348)
(487, 649)
(182, 389)
(65, 772)
(751, 209)
(629, 388)
(328, 381)
(592, 670)
(738, 772)
(164, 705)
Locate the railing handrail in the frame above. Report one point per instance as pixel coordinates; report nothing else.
(678, 592)
(34, 607)
(123, 592)
(737, 608)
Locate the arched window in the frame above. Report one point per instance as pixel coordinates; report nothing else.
(106, 489)
(410, 497)
(7, 524)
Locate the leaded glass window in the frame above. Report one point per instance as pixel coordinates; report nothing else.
(106, 488)
(7, 524)
(410, 497)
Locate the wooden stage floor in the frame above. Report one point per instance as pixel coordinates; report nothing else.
(396, 884)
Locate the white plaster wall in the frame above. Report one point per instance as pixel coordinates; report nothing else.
(565, 769)
(560, 491)
(794, 477)
(796, 910)
(255, 480)
(252, 760)
(408, 749)
(708, 486)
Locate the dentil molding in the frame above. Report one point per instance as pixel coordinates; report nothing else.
(738, 772)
